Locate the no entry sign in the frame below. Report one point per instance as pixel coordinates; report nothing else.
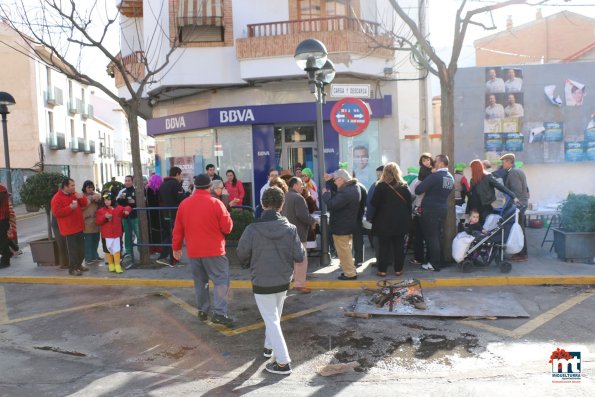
(350, 116)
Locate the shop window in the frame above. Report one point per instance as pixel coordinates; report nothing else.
(200, 21)
(299, 134)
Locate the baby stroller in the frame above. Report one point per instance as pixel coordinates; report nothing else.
(485, 249)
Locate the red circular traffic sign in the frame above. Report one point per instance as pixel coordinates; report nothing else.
(350, 116)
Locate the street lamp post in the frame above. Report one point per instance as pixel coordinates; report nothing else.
(6, 100)
(312, 57)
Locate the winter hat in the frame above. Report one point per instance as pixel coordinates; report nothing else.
(307, 172)
(202, 181)
(460, 166)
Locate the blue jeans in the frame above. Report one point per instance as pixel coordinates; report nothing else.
(91, 244)
(216, 269)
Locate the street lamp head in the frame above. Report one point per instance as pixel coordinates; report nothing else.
(327, 73)
(6, 100)
(310, 55)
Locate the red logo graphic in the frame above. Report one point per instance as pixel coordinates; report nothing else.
(559, 354)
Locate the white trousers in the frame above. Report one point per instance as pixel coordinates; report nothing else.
(270, 307)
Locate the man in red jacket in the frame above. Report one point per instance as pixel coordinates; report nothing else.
(67, 206)
(203, 221)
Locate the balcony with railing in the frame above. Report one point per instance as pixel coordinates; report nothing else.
(89, 147)
(77, 145)
(53, 96)
(340, 34)
(72, 106)
(87, 111)
(57, 141)
(134, 65)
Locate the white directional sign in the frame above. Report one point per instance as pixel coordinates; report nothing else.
(350, 90)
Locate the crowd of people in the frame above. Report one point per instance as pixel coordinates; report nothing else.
(396, 208)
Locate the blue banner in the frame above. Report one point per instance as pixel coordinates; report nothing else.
(263, 156)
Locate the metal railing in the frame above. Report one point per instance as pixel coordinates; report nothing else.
(161, 222)
(328, 24)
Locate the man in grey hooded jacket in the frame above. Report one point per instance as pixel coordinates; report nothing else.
(272, 245)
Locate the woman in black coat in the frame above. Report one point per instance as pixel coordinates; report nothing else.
(392, 218)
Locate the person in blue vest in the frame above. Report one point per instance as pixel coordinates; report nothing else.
(437, 187)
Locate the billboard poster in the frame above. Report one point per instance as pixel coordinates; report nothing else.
(186, 164)
(553, 131)
(574, 151)
(514, 142)
(494, 142)
(590, 150)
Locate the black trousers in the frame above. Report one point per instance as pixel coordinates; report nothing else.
(75, 245)
(392, 250)
(4, 247)
(432, 226)
(417, 236)
(358, 244)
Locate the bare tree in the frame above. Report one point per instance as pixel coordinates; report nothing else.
(426, 56)
(60, 33)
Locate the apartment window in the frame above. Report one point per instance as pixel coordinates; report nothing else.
(72, 133)
(200, 21)
(309, 9)
(51, 122)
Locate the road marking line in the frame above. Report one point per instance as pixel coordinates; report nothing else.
(543, 318)
(537, 322)
(193, 311)
(74, 309)
(3, 308)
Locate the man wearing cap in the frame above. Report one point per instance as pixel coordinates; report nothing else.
(344, 208)
(437, 187)
(203, 221)
(517, 182)
(462, 187)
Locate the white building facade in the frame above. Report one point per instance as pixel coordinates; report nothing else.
(233, 96)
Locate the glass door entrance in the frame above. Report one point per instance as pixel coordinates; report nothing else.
(296, 145)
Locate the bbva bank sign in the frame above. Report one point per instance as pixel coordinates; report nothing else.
(235, 115)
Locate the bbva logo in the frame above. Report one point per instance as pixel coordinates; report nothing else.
(175, 122)
(263, 153)
(235, 115)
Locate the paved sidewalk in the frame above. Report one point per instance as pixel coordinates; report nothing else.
(543, 267)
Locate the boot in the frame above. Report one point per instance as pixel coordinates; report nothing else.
(110, 262)
(118, 266)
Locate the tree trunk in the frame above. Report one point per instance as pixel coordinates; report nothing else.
(448, 139)
(137, 170)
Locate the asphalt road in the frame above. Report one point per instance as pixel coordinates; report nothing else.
(130, 341)
(32, 228)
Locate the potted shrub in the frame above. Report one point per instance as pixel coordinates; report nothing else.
(37, 191)
(575, 238)
(241, 218)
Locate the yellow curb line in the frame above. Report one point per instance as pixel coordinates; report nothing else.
(27, 216)
(322, 284)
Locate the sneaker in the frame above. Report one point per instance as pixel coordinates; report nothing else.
(344, 277)
(268, 353)
(359, 264)
(83, 268)
(17, 253)
(276, 368)
(223, 320)
(202, 316)
(164, 262)
(75, 272)
(415, 262)
(428, 266)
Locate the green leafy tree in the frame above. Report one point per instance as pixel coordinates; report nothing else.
(38, 191)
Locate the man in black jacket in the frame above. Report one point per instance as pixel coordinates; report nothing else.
(171, 194)
(127, 197)
(437, 187)
(344, 209)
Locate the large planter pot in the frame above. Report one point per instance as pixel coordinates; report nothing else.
(578, 246)
(31, 208)
(44, 252)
